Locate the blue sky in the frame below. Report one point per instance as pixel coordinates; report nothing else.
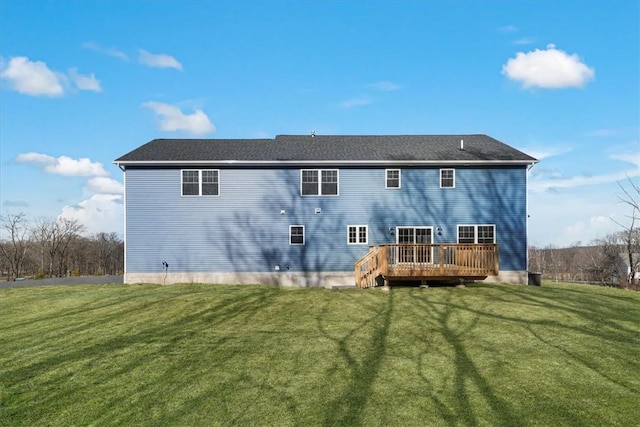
(82, 83)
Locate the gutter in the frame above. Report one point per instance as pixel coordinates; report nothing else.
(125, 163)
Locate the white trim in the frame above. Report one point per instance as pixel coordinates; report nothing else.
(200, 183)
(304, 236)
(454, 176)
(358, 227)
(124, 223)
(319, 172)
(475, 231)
(526, 218)
(421, 227)
(326, 162)
(386, 179)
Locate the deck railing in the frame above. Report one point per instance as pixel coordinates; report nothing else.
(441, 261)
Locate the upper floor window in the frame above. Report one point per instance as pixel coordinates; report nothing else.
(319, 182)
(447, 178)
(197, 182)
(476, 234)
(392, 178)
(296, 234)
(357, 235)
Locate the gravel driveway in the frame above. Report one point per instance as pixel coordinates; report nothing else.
(82, 280)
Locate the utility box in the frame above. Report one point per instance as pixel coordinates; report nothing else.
(535, 279)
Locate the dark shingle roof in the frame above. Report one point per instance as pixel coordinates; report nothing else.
(329, 148)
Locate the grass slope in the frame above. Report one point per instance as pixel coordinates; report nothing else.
(251, 355)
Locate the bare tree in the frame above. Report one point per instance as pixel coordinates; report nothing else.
(630, 235)
(108, 251)
(18, 244)
(536, 259)
(56, 238)
(606, 266)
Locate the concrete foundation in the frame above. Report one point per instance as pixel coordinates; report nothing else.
(327, 279)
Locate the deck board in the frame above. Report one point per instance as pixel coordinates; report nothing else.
(422, 261)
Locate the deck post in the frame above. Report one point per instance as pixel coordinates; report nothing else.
(404, 261)
(384, 265)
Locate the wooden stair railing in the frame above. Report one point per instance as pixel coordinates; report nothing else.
(371, 267)
(438, 261)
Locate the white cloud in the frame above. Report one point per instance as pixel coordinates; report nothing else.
(99, 213)
(581, 181)
(386, 86)
(578, 215)
(102, 208)
(63, 165)
(172, 119)
(32, 77)
(508, 29)
(356, 102)
(105, 185)
(524, 40)
(633, 158)
(549, 69)
(84, 82)
(107, 51)
(158, 60)
(589, 229)
(545, 153)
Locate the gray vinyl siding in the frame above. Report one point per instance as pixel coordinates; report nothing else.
(243, 230)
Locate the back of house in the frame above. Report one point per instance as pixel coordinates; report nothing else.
(300, 210)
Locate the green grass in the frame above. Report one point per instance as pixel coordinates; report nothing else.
(251, 355)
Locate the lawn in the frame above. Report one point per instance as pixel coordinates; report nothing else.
(252, 355)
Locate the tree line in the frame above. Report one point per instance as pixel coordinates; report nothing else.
(56, 248)
(611, 260)
(604, 262)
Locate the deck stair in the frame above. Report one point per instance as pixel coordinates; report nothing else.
(426, 262)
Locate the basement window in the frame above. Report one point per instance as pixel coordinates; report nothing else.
(296, 234)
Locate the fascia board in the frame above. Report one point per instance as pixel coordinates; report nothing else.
(326, 162)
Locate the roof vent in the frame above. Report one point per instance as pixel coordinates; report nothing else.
(313, 134)
(462, 144)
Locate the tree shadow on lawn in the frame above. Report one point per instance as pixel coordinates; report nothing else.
(599, 320)
(606, 318)
(151, 347)
(441, 317)
(348, 408)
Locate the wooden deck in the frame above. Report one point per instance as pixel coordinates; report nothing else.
(426, 262)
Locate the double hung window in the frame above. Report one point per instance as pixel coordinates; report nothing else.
(296, 234)
(319, 182)
(447, 178)
(196, 182)
(476, 234)
(357, 235)
(392, 178)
